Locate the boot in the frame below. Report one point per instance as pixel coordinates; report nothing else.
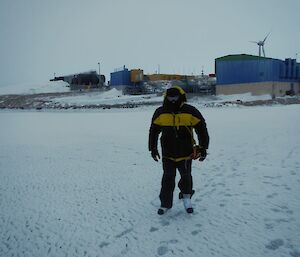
(180, 195)
(162, 210)
(187, 203)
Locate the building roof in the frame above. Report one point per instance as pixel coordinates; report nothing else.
(241, 57)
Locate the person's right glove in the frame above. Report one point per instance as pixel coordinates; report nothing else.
(155, 154)
(203, 154)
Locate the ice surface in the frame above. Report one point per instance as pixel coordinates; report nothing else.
(83, 184)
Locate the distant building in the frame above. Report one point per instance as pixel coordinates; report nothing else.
(136, 82)
(84, 80)
(120, 77)
(167, 77)
(129, 81)
(125, 77)
(244, 73)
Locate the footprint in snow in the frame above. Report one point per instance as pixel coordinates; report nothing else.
(295, 253)
(274, 244)
(153, 229)
(270, 196)
(103, 244)
(162, 250)
(195, 232)
(164, 223)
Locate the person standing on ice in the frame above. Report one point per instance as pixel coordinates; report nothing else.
(176, 120)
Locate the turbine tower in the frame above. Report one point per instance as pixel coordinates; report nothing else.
(261, 45)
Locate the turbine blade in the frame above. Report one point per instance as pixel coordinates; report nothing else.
(266, 37)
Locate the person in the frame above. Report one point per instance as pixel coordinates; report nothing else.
(176, 120)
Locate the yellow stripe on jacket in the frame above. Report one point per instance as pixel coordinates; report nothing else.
(176, 120)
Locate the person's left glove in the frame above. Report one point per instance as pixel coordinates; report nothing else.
(155, 154)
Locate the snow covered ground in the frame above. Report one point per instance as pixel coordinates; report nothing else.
(30, 88)
(115, 96)
(82, 183)
(110, 97)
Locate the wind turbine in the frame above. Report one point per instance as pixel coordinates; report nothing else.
(261, 45)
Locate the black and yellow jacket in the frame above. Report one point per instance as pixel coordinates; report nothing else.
(176, 130)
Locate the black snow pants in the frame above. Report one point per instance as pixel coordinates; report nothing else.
(185, 183)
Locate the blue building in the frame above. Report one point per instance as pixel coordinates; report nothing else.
(120, 78)
(259, 75)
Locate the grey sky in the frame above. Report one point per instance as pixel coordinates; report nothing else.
(40, 37)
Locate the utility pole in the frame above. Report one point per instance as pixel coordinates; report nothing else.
(99, 73)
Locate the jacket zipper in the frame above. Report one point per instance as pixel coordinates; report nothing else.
(174, 125)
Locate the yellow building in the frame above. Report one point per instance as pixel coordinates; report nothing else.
(157, 77)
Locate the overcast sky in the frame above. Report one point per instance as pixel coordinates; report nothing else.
(43, 37)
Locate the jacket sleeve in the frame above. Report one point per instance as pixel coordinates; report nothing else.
(201, 130)
(154, 132)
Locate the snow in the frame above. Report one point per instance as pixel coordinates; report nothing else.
(112, 96)
(244, 97)
(82, 183)
(29, 88)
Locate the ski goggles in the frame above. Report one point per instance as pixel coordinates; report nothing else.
(173, 98)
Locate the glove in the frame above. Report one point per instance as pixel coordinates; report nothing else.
(196, 152)
(203, 154)
(155, 155)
